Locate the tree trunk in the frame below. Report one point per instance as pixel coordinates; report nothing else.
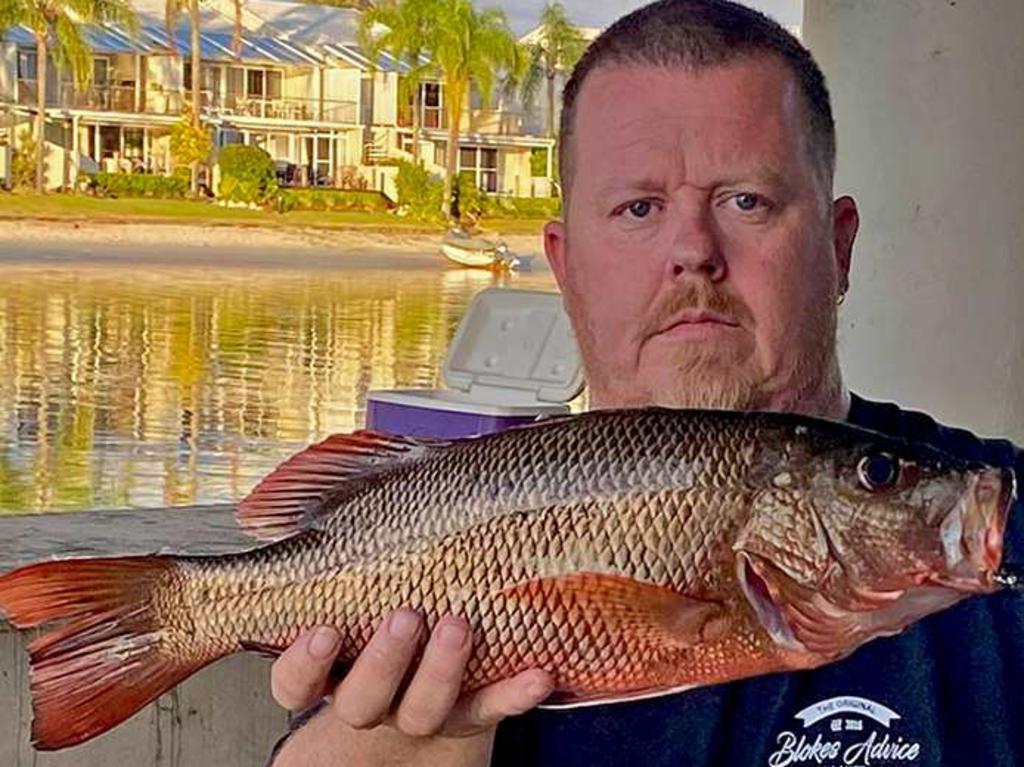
(551, 104)
(195, 44)
(236, 37)
(456, 96)
(40, 111)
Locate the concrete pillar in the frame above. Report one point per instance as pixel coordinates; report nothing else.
(929, 103)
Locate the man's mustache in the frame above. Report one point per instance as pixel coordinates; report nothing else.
(695, 295)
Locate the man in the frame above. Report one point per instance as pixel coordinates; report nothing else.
(701, 259)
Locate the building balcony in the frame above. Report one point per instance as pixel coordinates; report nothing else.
(499, 122)
(158, 101)
(280, 108)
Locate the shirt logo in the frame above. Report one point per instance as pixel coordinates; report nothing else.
(845, 731)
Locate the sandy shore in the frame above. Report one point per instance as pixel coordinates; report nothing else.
(161, 236)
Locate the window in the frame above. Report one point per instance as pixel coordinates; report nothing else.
(236, 81)
(26, 65)
(432, 105)
(229, 137)
(101, 72)
(209, 78)
(481, 164)
(273, 84)
(254, 81)
(133, 143)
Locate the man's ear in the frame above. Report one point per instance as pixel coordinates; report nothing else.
(845, 221)
(554, 248)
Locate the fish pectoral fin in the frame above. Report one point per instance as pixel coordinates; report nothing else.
(642, 612)
(292, 497)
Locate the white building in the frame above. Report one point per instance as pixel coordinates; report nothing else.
(300, 88)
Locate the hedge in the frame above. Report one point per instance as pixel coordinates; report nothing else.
(332, 199)
(138, 185)
(523, 207)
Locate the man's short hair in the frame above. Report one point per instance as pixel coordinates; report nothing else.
(695, 35)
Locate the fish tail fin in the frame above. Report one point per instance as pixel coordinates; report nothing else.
(111, 655)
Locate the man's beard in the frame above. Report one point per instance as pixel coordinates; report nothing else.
(725, 375)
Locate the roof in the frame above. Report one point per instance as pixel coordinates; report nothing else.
(275, 32)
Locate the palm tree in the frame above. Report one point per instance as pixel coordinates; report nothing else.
(172, 11)
(559, 48)
(469, 47)
(407, 30)
(57, 27)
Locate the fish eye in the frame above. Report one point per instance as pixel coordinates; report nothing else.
(878, 471)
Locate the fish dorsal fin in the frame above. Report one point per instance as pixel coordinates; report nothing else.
(289, 499)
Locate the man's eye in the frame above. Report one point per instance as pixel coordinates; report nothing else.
(639, 208)
(748, 201)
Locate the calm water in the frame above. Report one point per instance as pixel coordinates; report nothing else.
(134, 385)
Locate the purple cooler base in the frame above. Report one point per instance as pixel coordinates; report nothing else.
(409, 421)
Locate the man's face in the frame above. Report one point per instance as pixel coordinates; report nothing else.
(701, 260)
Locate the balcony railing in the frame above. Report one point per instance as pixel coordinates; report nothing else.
(503, 122)
(104, 98)
(284, 108)
(122, 98)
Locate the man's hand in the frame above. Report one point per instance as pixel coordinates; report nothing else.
(368, 722)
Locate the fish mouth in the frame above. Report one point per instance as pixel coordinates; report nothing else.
(972, 532)
(764, 601)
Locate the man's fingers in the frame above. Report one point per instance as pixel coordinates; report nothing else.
(509, 697)
(434, 689)
(299, 676)
(364, 696)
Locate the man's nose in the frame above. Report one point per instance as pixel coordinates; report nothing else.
(696, 249)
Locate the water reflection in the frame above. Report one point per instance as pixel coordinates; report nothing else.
(149, 386)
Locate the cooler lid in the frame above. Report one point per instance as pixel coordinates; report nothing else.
(517, 340)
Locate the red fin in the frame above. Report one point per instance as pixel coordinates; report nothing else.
(288, 499)
(108, 660)
(634, 613)
(644, 609)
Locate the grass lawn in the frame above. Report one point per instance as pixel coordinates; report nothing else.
(84, 208)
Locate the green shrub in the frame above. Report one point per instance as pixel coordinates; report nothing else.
(524, 207)
(246, 174)
(420, 193)
(190, 143)
(136, 185)
(332, 199)
(23, 164)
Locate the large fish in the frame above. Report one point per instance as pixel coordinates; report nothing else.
(628, 552)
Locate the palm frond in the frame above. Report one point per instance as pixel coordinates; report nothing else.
(70, 50)
(12, 13)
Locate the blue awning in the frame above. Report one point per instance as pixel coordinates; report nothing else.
(19, 35)
(105, 38)
(217, 46)
(153, 39)
(356, 56)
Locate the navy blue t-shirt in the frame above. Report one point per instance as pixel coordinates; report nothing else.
(947, 691)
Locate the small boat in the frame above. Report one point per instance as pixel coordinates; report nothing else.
(466, 250)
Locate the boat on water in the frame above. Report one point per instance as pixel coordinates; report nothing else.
(462, 248)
